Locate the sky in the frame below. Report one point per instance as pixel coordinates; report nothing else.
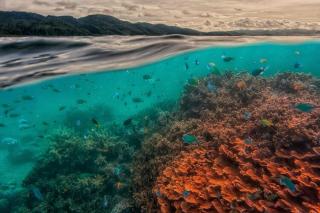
(205, 15)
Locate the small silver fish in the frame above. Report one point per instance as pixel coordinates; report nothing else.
(105, 202)
(37, 194)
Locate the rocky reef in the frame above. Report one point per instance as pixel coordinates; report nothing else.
(257, 147)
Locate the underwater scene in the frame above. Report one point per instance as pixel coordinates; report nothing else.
(232, 128)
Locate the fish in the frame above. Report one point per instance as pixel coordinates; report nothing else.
(36, 193)
(149, 93)
(117, 170)
(197, 62)
(158, 194)
(227, 58)
(213, 68)
(105, 202)
(81, 101)
(95, 122)
(305, 107)
(27, 97)
(186, 193)
(189, 139)
(56, 90)
(248, 140)
(266, 123)
(5, 105)
(146, 77)
(258, 71)
(14, 115)
(62, 108)
(8, 141)
(116, 95)
(23, 124)
(186, 65)
(2, 125)
(285, 181)
(45, 123)
(6, 112)
(247, 115)
(211, 87)
(263, 60)
(254, 196)
(297, 65)
(127, 122)
(137, 100)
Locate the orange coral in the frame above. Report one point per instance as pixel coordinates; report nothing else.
(246, 167)
(230, 178)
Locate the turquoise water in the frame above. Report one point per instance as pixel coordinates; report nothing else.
(29, 113)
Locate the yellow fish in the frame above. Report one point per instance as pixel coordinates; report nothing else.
(266, 122)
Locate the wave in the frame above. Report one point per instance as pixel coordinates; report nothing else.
(27, 59)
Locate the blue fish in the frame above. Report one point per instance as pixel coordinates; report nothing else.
(227, 58)
(297, 65)
(305, 107)
(37, 194)
(117, 171)
(189, 139)
(247, 115)
(186, 193)
(259, 71)
(285, 181)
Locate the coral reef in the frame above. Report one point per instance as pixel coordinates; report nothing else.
(235, 143)
(257, 152)
(76, 174)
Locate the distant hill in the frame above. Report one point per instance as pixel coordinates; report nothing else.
(31, 24)
(23, 23)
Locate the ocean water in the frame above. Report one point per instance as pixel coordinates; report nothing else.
(32, 111)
